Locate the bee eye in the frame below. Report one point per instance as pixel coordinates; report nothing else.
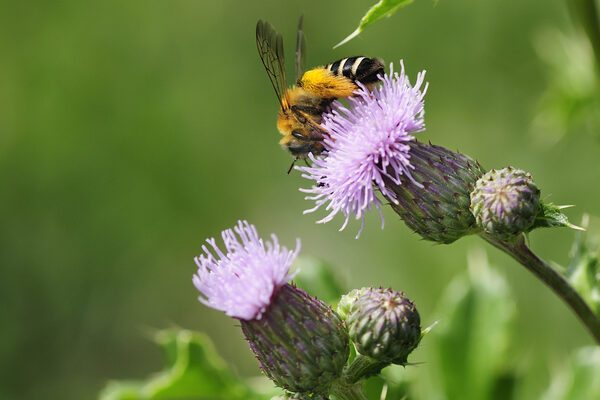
(298, 135)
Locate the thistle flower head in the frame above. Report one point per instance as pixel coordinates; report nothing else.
(368, 146)
(243, 280)
(505, 202)
(301, 344)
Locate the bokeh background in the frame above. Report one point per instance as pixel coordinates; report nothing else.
(131, 131)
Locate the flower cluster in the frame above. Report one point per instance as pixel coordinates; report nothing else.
(300, 342)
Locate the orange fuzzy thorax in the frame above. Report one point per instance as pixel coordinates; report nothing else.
(324, 83)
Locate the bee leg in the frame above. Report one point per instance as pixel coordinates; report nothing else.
(317, 136)
(292, 166)
(310, 122)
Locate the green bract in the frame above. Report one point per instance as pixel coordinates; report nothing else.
(434, 200)
(300, 342)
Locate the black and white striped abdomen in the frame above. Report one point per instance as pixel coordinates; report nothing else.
(361, 69)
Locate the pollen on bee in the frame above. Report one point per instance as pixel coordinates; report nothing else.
(324, 83)
(284, 142)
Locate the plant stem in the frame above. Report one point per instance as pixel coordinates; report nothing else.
(586, 14)
(363, 367)
(520, 252)
(345, 390)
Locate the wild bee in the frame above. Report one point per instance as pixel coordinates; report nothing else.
(302, 105)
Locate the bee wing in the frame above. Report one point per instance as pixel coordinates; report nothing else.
(300, 49)
(270, 49)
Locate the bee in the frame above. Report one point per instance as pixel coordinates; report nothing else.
(299, 119)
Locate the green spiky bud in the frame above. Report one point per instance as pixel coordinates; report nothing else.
(505, 202)
(384, 325)
(433, 200)
(300, 342)
(347, 301)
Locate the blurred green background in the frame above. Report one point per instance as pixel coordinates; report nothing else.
(131, 131)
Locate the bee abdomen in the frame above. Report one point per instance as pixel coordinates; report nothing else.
(361, 69)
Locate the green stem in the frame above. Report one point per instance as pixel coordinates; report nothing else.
(520, 252)
(586, 14)
(345, 390)
(363, 367)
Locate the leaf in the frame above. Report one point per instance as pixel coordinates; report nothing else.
(550, 216)
(319, 279)
(570, 103)
(585, 13)
(472, 339)
(384, 8)
(578, 378)
(194, 370)
(583, 271)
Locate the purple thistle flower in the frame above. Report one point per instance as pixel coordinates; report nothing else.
(243, 281)
(301, 344)
(368, 147)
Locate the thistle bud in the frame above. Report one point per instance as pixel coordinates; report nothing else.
(347, 301)
(433, 200)
(384, 325)
(505, 202)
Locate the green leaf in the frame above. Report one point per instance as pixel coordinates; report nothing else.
(384, 8)
(194, 370)
(578, 378)
(570, 102)
(583, 271)
(585, 12)
(551, 216)
(472, 339)
(319, 279)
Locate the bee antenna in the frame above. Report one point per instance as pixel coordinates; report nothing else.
(292, 166)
